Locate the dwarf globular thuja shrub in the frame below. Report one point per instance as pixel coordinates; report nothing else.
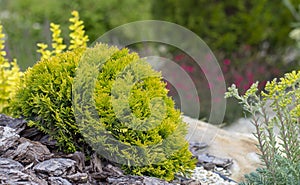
(136, 123)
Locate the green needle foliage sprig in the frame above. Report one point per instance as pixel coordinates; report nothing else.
(280, 154)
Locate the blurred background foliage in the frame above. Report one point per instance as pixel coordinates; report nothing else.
(26, 22)
(249, 38)
(228, 24)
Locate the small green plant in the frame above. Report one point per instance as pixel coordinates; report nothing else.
(10, 77)
(280, 154)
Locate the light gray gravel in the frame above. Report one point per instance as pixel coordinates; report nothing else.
(209, 178)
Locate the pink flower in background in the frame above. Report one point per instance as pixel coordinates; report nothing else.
(179, 57)
(238, 79)
(262, 84)
(227, 62)
(189, 69)
(220, 78)
(225, 69)
(247, 86)
(250, 77)
(242, 74)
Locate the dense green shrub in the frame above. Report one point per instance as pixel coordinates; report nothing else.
(280, 153)
(133, 106)
(46, 101)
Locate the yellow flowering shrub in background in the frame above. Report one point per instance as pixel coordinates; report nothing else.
(10, 76)
(77, 35)
(57, 43)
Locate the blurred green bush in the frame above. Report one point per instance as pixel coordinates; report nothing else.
(226, 25)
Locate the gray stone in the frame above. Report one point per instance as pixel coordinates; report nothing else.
(16, 177)
(96, 163)
(78, 177)
(210, 160)
(56, 166)
(9, 164)
(8, 138)
(58, 181)
(29, 152)
(154, 181)
(113, 170)
(136, 180)
(79, 157)
(16, 123)
(12, 172)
